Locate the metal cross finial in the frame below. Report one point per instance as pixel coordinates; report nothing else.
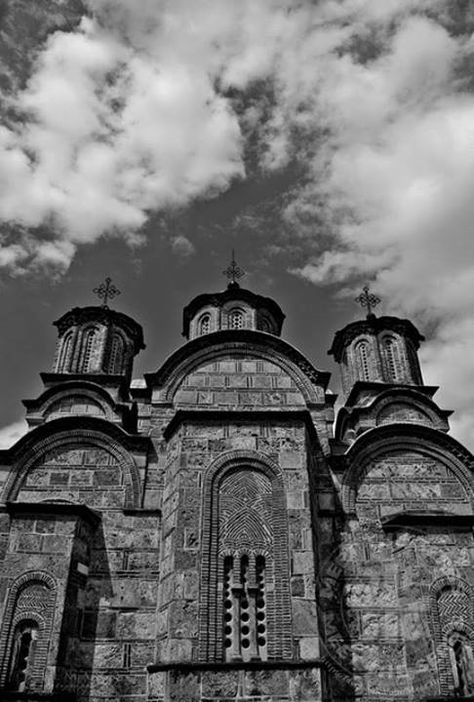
(367, 299)
(106, 291)
(233, 271)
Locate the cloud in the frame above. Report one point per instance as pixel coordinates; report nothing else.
(149, 105)
(10, 434)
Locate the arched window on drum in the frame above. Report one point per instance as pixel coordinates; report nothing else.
(64, 361)
(116, 354)
(204, 324)
(362, 360)
(391, 358)
(236, 319)
(88, 343)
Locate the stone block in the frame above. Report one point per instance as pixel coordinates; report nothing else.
(309, 648)
(303, 562)
(305, 620)
(183, 687)
(220, 684)
(266, 683)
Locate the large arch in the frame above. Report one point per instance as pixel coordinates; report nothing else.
(210, 612)
(393, 437)
(212, 347)
(70, 433)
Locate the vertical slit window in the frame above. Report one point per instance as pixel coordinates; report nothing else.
(22, 655)
(390, 358)
(64, 355)
(87, 350)
(116, 354)
(462, 664)
(363, 357)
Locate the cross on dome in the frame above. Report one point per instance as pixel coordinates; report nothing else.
(233, 272)
(367, 299)
(106, 291)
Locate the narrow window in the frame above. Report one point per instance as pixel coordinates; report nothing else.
(22, 655)
(362, 354)
(116, 354)
(65, 351)
(87, 348)
(390, 358)
(205, 324)
(244, 608)
(462, 664)
(236, 319)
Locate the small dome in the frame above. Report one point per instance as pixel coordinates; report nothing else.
(234, 308)
(97, 340)
(378, 349)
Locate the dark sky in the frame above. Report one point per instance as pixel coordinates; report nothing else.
(156, 283)
(329, 143)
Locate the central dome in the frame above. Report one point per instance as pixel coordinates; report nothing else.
(233, 308)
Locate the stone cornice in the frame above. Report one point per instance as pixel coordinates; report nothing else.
(227, 416)
(379, 388)
(56, 508)
(427, 518)
(199, 666)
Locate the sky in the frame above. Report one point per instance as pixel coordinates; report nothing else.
(330, 142)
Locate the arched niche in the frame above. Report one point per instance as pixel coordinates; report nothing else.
(61, 448)
(244, 518)
(30, 599)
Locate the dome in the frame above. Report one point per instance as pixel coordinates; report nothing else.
(233, 308)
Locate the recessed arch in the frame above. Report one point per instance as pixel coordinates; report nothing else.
(221, 539)
(309, 381)
(400, 436)
(77, 436)
(17, 611)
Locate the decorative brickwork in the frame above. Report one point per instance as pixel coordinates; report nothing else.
(83, 466)
(243, 497)
(452, 620)
(31, 598)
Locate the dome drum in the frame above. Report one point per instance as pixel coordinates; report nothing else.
(234, 308)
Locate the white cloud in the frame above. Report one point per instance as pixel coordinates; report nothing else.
(10, 434)
(132, 113)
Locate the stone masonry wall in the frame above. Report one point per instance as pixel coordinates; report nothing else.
(376, 591)
(111, 633)
(192, 449)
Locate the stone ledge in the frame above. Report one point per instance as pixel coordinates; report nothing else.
(198, 666)
(237, 415)
(421, 518)
(56, 508)
(13, 696)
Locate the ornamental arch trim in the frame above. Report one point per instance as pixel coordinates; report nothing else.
(74, 438)
(211, 647)
(392, 437)
(458, 619)
(44, 620)
(303, 383)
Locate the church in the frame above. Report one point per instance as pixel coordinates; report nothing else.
(212, 532)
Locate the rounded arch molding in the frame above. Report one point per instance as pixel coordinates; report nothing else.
(279, 612)
(394, 437)
(273, 350)
(72, 438)
(11, 618)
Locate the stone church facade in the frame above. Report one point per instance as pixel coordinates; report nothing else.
(209, 534)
